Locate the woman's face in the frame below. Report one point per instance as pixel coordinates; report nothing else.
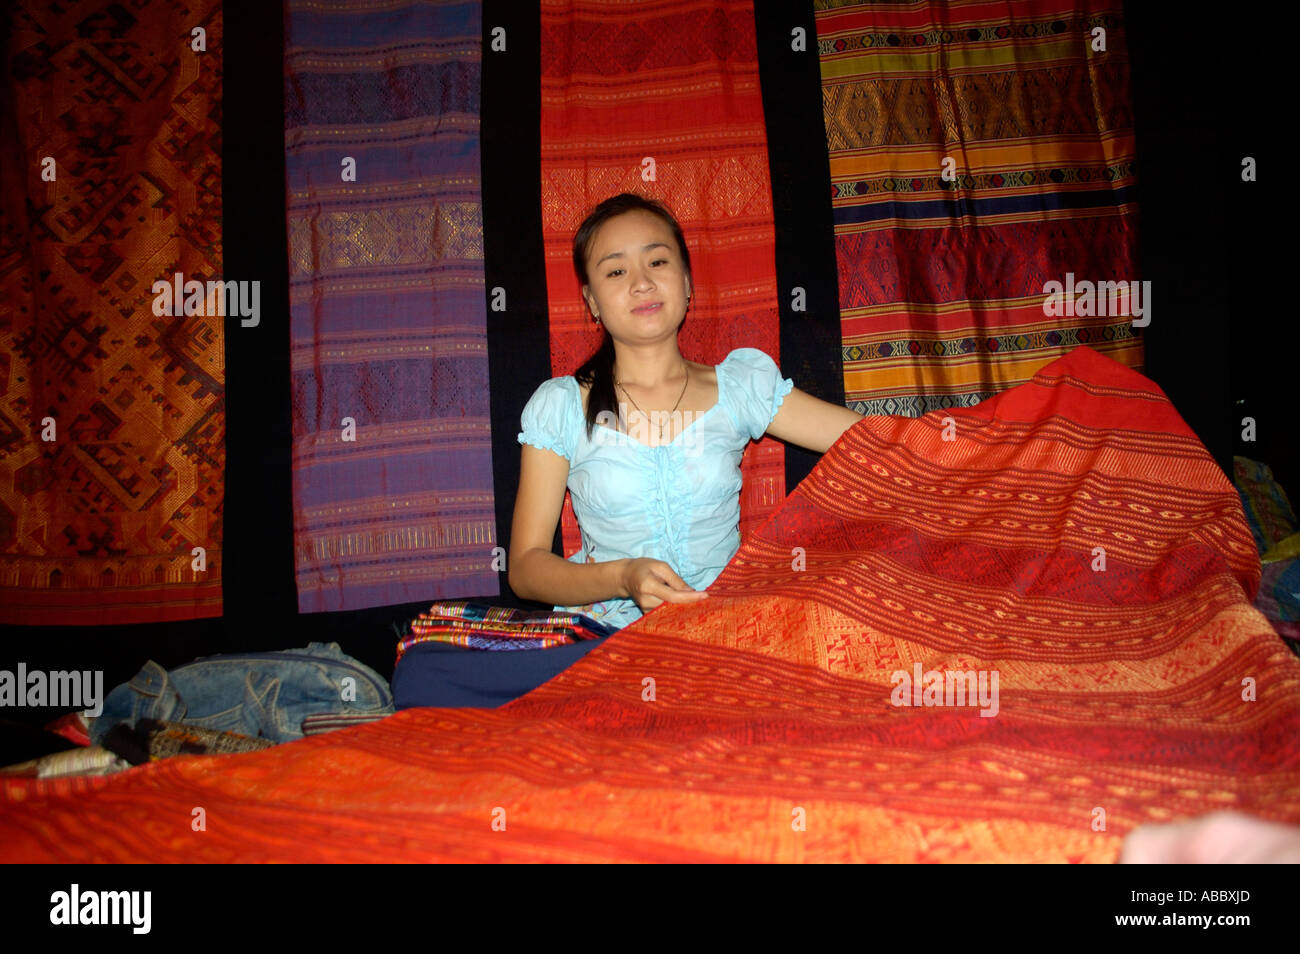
(637, 281)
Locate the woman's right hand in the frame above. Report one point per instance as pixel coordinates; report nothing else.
(650, 582)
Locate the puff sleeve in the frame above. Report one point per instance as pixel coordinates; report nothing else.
(755, 390)
(547, 419)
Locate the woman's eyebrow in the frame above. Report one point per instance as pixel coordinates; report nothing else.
(644, 248)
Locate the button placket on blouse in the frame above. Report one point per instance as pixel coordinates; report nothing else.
(670, 477)
(661, 500)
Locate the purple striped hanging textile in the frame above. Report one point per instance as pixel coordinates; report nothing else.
(392, 463)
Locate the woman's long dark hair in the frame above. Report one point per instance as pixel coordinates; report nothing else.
(598, 370)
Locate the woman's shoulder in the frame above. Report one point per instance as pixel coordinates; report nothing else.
(552, 401)
(745, 370)
(558, 389)
(754, 389)
(743, 359)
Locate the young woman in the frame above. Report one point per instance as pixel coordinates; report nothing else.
(648, 443)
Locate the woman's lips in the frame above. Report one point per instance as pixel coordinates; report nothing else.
(646, 309)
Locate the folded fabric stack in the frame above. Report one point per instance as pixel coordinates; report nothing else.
(477, 625)
(1273, 524)
(1268, 510)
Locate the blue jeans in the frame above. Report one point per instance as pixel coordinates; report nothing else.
(254, 694)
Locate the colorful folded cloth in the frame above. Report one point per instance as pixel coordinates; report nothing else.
(150, 740)
(1268, 510)
(477, 625)
(1288, 548)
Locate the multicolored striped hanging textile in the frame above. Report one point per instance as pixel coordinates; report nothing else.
(978, 152)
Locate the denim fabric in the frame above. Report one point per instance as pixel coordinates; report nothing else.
(254, 694)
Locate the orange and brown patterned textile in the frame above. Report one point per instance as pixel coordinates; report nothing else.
(112, 418)
(978, 151)
(766, 723)
(663, 99)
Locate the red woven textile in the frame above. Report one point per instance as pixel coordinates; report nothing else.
(677, 83)
(772, 734)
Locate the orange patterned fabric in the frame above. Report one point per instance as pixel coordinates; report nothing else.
(674, 82)
(112, 418)
(761, 724)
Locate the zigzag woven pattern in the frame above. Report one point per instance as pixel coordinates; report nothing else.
(762, 724)
(100, 516)
(976, 155)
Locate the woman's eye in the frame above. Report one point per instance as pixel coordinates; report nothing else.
(614, 273)
(660, 261)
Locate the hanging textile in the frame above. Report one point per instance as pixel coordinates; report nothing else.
(112, 420)
(978, 152)
(676, 83)
(392, 462)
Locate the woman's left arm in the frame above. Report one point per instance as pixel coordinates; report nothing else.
(811, 422)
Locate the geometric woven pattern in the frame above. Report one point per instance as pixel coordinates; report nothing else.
(392, 460)
(99, 524)
(625, 82)
(972, 163)
(765, 723)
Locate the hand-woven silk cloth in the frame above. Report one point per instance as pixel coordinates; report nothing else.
(760, 724)
(392, 461)
(663, 99)
(977, 152)
(112, 419)
(477, 625)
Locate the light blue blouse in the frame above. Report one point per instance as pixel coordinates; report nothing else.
(678, 502)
